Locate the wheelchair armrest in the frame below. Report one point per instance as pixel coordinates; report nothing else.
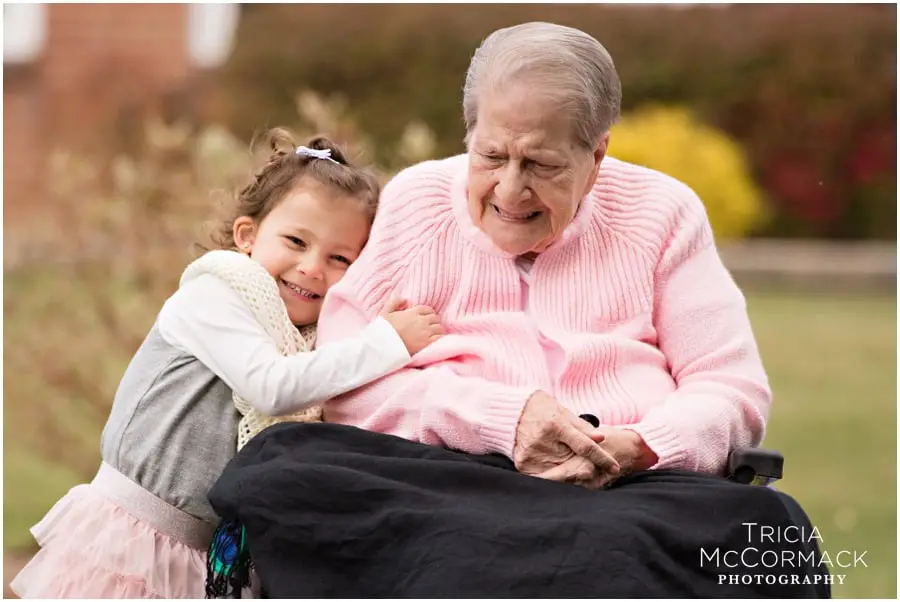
(752, 465)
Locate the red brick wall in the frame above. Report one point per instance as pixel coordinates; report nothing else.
(97, 61)
(103, 56)
(22, 145)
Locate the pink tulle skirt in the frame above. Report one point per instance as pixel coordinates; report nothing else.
(93, 548)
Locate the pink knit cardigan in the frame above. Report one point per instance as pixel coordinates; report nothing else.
(654, 332)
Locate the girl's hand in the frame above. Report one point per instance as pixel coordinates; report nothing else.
(418, 326)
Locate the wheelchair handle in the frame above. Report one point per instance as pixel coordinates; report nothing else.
(753, 465)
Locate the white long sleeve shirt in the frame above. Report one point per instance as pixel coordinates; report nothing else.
(208, 320)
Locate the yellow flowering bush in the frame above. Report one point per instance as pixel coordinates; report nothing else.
(671, 140)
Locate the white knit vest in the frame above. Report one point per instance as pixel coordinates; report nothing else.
(259, 292)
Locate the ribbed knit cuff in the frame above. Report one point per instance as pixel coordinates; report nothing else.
(666, 444)
(501, 418)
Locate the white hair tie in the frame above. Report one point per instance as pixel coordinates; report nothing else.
(324, 153)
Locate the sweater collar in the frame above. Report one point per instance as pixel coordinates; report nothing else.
(459, 199)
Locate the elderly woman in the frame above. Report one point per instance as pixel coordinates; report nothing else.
(573, 287)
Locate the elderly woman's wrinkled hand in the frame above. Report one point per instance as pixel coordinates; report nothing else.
(554, 444)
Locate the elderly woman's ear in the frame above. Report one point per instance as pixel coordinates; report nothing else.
(599, 154)
(602, 148)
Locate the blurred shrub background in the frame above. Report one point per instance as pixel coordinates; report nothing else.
(808, 91)
(675, 142)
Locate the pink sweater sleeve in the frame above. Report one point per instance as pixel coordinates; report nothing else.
(432, 405)
(722, 398)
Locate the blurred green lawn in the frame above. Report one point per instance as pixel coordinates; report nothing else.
(832, 363)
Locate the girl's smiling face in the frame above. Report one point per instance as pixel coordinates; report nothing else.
(306, 243)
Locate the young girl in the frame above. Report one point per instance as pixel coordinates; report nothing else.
(141, 528)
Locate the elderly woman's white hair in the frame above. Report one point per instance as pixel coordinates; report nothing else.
(565, 62)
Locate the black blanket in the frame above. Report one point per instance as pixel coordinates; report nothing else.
(335, 511)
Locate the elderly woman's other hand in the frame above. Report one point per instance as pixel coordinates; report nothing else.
(626, 446)
(554, 444)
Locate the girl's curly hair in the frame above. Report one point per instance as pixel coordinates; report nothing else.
(283, 171)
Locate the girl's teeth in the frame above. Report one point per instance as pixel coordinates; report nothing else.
(301, 292)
